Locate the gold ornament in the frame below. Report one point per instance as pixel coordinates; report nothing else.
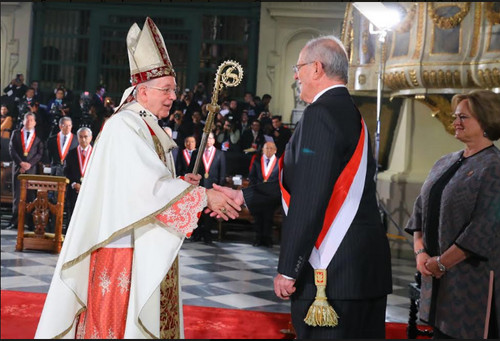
(447, 23)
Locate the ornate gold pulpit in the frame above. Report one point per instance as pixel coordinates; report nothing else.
(41, 208)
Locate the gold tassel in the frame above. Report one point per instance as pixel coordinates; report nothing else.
(321, 313)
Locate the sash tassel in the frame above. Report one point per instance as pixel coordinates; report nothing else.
(321, 313)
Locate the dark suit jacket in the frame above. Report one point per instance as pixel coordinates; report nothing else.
(53, 150)
(181, 166)
(282, 139)
(72, 172)
(323, 142)
(16, 152)
(217, 172)
(247, 140)
(256, 177)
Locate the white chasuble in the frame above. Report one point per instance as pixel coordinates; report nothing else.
(126, 186)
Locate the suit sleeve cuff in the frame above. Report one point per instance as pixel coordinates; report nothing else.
(247, 196)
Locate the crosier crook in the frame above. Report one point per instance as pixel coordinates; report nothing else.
(225, 76)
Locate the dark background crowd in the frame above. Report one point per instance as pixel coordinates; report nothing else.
(240, 128)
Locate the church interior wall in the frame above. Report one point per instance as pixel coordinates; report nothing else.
(419, 139)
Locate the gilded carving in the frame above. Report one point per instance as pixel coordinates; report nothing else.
(413, 78)
(492, 16)
(425, 78)
(433, 78)
(470, 81)
(420, 32)
(450, 22)
(404, 81)
(489, 78)
(364, 38)
(441, 109)
(396, 80)
(440, 79)
(447, 78)
(347, 32)
(456, 78)
(477, 23)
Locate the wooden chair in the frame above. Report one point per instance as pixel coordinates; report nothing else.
(41, 209)
(6, 182)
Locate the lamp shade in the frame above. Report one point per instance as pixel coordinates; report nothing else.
(383, 17)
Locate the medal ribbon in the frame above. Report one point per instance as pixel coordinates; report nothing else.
(267, 170)
(81, 161)
(64, 151)
(342, 206)
(30, 141)
(208, 163)
(187, 157)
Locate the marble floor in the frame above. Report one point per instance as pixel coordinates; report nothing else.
(230, 273)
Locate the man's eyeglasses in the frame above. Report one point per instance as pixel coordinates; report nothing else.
(297, 67)
(166, 90)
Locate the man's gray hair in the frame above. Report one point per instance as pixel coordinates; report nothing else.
(65, 118)
(151, 82)
(87, 129)
(29, 113)
(332, 54)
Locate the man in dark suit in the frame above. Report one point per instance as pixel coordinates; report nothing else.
(332, 220)
(186, 155)
(251, 143)
(75, 167)
(26, 150)
(264, 169)
(97, 101)
(253, 137)
(281, 135)
(212, 171)
(59, 145)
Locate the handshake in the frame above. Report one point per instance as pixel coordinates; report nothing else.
(222, 202)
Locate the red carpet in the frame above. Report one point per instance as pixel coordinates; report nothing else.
(20, 312)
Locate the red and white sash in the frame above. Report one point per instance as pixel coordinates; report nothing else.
(64, 150)
(29, 143)
(267, 170)
(83, 162)
(342, 206)
(187, 157)
(207, 162)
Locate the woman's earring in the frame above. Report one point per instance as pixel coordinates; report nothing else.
(484, 134)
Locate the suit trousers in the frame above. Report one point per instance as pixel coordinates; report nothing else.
(264, 226)
(359, 319)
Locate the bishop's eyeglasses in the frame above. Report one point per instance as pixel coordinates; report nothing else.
(166, 90)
